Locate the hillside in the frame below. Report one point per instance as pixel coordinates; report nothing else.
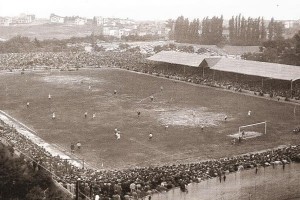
(47, 31)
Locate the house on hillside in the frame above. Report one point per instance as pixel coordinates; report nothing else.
(289, 23)
(5, 21)
(80, 21)
(56, 19)
(98, 20)
(124, 32)
(23, 19)
(116, 31)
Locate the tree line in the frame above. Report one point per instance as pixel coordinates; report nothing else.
(241, 31)
(20, 44)
(253, 31)
(285, 51)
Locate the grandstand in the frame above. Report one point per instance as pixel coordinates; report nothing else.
(245, 68)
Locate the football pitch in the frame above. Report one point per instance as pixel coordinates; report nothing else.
(174, 117)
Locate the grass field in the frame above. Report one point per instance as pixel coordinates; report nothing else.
(181, 106)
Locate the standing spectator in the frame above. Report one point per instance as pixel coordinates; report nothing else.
(72, 147)
(233, 141)
(240, 139)
(132, 187)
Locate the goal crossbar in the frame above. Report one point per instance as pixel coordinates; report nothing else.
(254, 125)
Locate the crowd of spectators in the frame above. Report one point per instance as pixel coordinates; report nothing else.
(137, 183)
(64, 60)
(237, 82)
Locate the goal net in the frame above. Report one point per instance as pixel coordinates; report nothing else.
(253, 130)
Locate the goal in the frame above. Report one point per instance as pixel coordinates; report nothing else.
(260, 127)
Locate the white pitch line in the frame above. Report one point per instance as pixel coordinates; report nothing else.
(144, 99)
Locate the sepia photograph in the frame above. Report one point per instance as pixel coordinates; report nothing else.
(149, 100)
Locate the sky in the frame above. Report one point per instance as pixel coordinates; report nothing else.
(154, 9)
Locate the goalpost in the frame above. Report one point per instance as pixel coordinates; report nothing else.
(253, 125)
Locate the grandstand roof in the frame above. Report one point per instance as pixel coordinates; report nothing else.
(247, 67)
(180, 58)
(255, 68)
(212, 61)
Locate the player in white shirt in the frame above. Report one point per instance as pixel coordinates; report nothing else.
(150, 136)
(249, 113)
(151, 98)
(166, 127)
(53, 115)
(118, 135)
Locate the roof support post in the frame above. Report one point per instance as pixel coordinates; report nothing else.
(262, 83)
(292, 88)
(203, 71)
(214, 75)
